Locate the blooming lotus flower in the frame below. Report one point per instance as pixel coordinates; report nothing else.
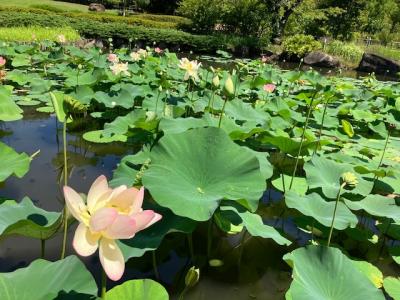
(142, 52)
(61, 38)
(135, 56)
(158, 50)
(269, 88)
(2, 61)
(119, 68)
(191, 68)
(264, 59)
(108, 215)
(113, 58)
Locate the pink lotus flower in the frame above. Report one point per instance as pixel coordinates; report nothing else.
(119, 68)
(264, 59)
(2, 61)
(269, 88)
(113, 58)
(158, 50)
(108, 215)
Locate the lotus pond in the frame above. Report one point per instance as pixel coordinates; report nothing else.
(137, 175)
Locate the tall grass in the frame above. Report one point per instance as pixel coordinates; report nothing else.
(28, 34)
(384, 51)
(350, 54)
(65, 6)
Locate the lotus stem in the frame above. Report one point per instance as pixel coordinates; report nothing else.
(103, 284)
(42, 248)
(383, 240)
(383, 154)
(302, 139)
(158, 97)
(35, 154)
(242, 242)
(65, 212)
(222, 113)
(320, 127)
(283, 183)
(190, 243)
(155, 269)
(181, 296)
(209, 238)
(334, 212)
(211, 101)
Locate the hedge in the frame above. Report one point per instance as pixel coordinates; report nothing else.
(147, 20)
(121, 32)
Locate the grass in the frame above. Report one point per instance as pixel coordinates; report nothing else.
(27, 34)
(384, 51)
(65, 6)
(349, 54)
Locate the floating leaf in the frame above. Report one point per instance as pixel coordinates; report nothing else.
(369, 270)
(377, 205)
(46, 280)
(315, 206)
(348, 128)
(26, 219)
(325, 273)
(12, 163)
(9, 111)
(191, 172)
(392, 287)
(143, 289)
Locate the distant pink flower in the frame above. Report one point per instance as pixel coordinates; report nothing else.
(119, 68)
(269, 88)
(113, 58)
(158, 50)
(61, 38)
(264, 59)
(108, 215)
(2, 61)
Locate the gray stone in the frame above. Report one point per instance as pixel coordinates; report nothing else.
(321, 59)
(97, 7)
(378, 64)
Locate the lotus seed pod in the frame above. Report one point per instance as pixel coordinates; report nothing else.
(229, 86)
(192, 277)
(215, 81)
(350, 179)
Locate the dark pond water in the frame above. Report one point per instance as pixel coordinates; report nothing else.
(262, 274)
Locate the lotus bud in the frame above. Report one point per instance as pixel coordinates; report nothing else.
(229, 86)
(80, 67)
(350, 179)
(192, 277)
(215, 81)
(160, 88)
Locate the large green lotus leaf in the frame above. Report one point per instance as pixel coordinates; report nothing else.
(315, 206)
(151, 238)
(299, 186)
(369, 270)
(12, 163)
(143, 289)
(290, 146)
(253, 222)
(97, 136)
(240, 110)
(9, 111)
(325, 273)
(395, 253)
(191, 172)
(377, 205)
(121, 125)
(326, 174)
(392, 287)
(44, 280)
(123, 98)
(26, 219)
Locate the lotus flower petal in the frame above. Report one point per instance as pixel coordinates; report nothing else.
(85, 242)
(75, 204)
(145, 219)
(103, 218)
(111, 259)
(125, 199)
(98, 188)
(124, 227)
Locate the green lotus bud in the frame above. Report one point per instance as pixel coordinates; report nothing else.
(229, 86)
(80, 67)
(215, 81)
(350, 179)
(192, 277)
(160, 88)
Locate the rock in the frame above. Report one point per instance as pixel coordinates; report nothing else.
(378, 64)
(97, 7)
(321, 59)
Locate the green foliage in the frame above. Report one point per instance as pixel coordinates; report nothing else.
(36, 33)
(204, 14)
(350, 53)
(300, 44)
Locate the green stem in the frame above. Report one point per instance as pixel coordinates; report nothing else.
(283, 183)
(183, 293)
(383, 155)
(222, 113)
(334, 212)
(42, 248)
(210, 100)
(156, 273)
(209, 238)
(158, 97)
(103, 284)
(190, 243)
(241, 247)
(320, 127)
(65, 212)
(302, 140)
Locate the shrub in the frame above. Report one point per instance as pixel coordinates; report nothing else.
(47, 7)
(27, 34)
(300, 44)
(121, 32)
(204, 14)
(351, 54)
